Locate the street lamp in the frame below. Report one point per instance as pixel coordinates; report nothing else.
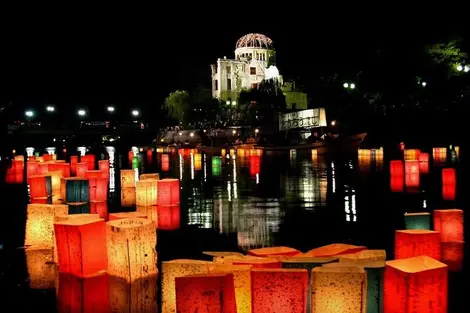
(50, 108)
(29, 113)
(345, 85)
(234, 102)
(424, 84)
(110, 109)
(135, 112)
(352, 86)
(333, 123)
(81, 112)
(466, 68)
(460, 68)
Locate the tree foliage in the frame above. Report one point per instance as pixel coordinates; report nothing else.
(446, 52)
(177, 105)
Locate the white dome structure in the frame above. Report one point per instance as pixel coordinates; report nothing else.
(255, 40)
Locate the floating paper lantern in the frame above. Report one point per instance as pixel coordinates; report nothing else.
(452, 254)
(439, 155)
(103, 165)
(450, 225)
(154, 176)
(415, 285)
(146, 192)
(96, 174)
(255, 262)
(90, 160)
(98, 189)
(332, 250)
(274, 252)
(449, 192)
(77, 294)
(81, 246)
(40, 186)
(168, 217)
(223, 153)
(205, 293)
(47, 157)
(421, 220)
(412, 181)
(55, 180)
(31, 168)
(364, 152)
(41, 268)
(397, 183)
(75, 189)
(178, 268)
(14, 173)
(396, 168)
(82, 168)
(457, 151)
(255, 164)
(131, 246)
(73, 165)
(165, 162)
(216, 165)
(416, 242)
(40, 223)
(412, 154)
(128, 196)
(424, 162)
(100, 208)
(411, 167)
(279, 290)
(43, 168)
(168, 191)
(138, 296)
(123, 215)
(135, 162)
(197, 162)
(448, 176)
(127, 178)
(314, 154)
(78, 207)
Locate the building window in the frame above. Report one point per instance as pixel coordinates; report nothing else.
(229, 69)
(252, 70)
(254, 86)
(216, 85)
(229, 84)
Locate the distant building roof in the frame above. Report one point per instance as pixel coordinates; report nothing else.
(255, 40)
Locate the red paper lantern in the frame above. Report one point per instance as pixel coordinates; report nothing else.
(165, 162)
(396, 168)
(81, 246)
(31, 168)
(149, 156)
(412, 167)
(90, 160)
(274, 252)
(412, 180)
(424, 163)
(43, 168)
(415, 285)
(415, 242)
(168, 191)
(168, 217)
(39, 186)
(452, 255)
(450, 225)
(254, 165)
(130, 156)
(96, 174)
(448, 176)
(73, 165)
(103, 165)
(98, 189)
(100, 208)
(397, 183)
(448, 192)
(14, 173)
(279, 290)
(82, 168)
(47, 157)
(77, 294)
(210, 293)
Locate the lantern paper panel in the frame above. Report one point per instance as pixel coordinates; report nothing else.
(332, 250)
(415, 285)
(75, 189)
(448, 176)
(153, 176)
(150, 212)
(82, 168)
(78, 294)
(255, 262)
(396, 168)
(255, 165)
(274, 252)
(41, 268)
(416, 242)
(411, 167)
(420, 220)
(205, 293)
(100, 208)
(197, 162)
(439, 155)
(412, 182)
(364, 256)
(31, 168)
(90, 160)
(178, 268)
(279, 290)
(452, 254)
(47, 157)
(128, 196)
(146, 192)
(449, 192)
(14, 174)
(397, 183)
(127, 178)
(168, 217)
(96, 174)
(168, 191)
(242, 283)
(103, 165)
(424, 162)
(131, 250)
(450, 225)
(140, 296)
(122, 215)
(79, 207)
(165, 162)
(56, 177)
(40, 223)
(338, 289)
(40, 186)
(81, 246)
(73, 165)
(98, 189)
(412, 154)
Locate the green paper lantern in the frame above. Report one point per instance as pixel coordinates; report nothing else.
(135, 162)
(421, 220)
(77, 190)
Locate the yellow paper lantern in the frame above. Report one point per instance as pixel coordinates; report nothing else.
(338, 289)
(41, 270)
(178, 268)
(131, 248)
(219, 254)
(146, 192)
(223, 152)
(151, 212)
(40, 223)
(364, 256)
(197, 162)
(122, 215)
(138, 296)
(127, 196)
(155, 176)
(127, 178)
(55, 180)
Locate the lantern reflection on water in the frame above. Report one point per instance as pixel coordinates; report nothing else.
(254, 165)
(416, 242)
(40, 223)
(168, 217)
(40, 186)
(216, 165)
(450, 225)
(279, 290)
(415, 285)
(41, 268)
(146, 192)
(439, 155)
(421, 220)
(82, 168)
(168, 191)
(140, 296)
(396, 168)
(98, 189)
(397, 183)
(197, 162)
(81, 246)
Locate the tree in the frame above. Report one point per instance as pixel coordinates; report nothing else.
(449, 53)
(177, 106)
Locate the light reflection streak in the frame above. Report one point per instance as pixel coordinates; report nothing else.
(229, 190)
(205, 169)
(181, 162)
(333, 177)
(192, 166)
(257, 178)
(350, 204)
(112, 177)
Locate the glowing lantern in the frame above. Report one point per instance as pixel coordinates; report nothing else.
(138, 296)
(338, 289)
(123, 215)
(78, 207)
(332, 250)
(254, 165)
(135, 162)
(81, 246)
(197, 162)
(73, 165)
(77, 294)
(40, 223)
(424, 163)
(146, 192)
(279, 290)
(412, 154)
(47, 157)
(43, 168)
(232, 152)
(274, 252)
(255, 262)
(411, 167)
(439, 155)
(31, 168)
(128, 196)
(314, 154)
(421, 220)
(100, 208)
(149, 156)
(216, 165)
(223, 152)
(165, 162)
(127, 178)
(96, 174)
(41, 268)
(103, 166)
(450, 225)
(82, 168)
(75, 189)
(168, 191)
(131, 246)
(130, 156)
(14, 174)
(168, 217)
(149, 212)
(90, 160)
(448, 192)
(452, 255)
(397, 183)
(448, 176)
(98, 189)
(412, 181)
(457, 151)
(40, 186)
(416, 242)
(154, 176)
(178, 268)
(415, 285)
(396, 168)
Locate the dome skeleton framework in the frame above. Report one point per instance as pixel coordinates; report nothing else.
(255, 40)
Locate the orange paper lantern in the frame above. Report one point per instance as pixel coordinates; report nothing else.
(168, 217)
(56, 177)
(332, 250)
(103, 165)
(412, 181)
(415, 285)
(197, 162)
(439, 155)
(149, 212)
(279, 290)
(81, 246)
(41, 268)
(415, 242)
(100, 208)
(40, 223)
(122, 215)
(165, 162)
(90, 160)
(154, 176)
(205, 293)
(96, 174)
(73, 165)
(127, 197)
(450, 225)
(47, 157)
(98, 189)
(452, 255)
(412, 154)
(274, 252)
(31, 168)
(127, 178)
(397, 183)
(168, 191)
(140, 296)
(40, 186)
(146, 192)
(82, 168)
(411, 167)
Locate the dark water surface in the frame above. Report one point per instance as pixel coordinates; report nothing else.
(249, 201)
